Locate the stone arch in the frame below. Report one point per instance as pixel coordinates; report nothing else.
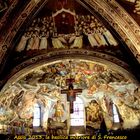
(58, 56)
(111, 11)
(119, 19)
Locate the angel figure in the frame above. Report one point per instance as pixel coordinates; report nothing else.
(59, 111)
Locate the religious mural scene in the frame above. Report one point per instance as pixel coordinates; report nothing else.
(69, 68)
(65, 28)
(43, 33)
(104, 93)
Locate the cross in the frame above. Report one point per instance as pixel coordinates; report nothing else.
(71, 92)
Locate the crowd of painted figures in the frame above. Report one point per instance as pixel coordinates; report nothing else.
(137, 7)
(36, 35)
(43, 32)
(96, 33)
(136, 4)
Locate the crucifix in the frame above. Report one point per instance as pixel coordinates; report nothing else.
(71, 92)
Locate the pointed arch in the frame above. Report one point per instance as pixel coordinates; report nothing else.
(118, 19)
(111, 11)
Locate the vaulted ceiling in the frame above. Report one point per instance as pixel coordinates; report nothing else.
(67, 17)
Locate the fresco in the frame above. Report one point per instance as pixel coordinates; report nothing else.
(93, 115)
(84, 31)
(100, 86)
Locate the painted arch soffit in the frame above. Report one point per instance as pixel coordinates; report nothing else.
(52, 57)
(85, 72)
(10, 32)
(113, 13)
(121, 21)
(32, 65)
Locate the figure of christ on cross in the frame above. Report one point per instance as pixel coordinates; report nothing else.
(71, 92)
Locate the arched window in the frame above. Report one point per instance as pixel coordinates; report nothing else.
(37, 115)
(115, 114)
(78, 117)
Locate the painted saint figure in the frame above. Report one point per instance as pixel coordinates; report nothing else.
(35, 45)
(22, 44)
(59, 111)
(110, 38)
(78, 42)
(58, 43)
(30, 41)
(44, 42)
(92, 40)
